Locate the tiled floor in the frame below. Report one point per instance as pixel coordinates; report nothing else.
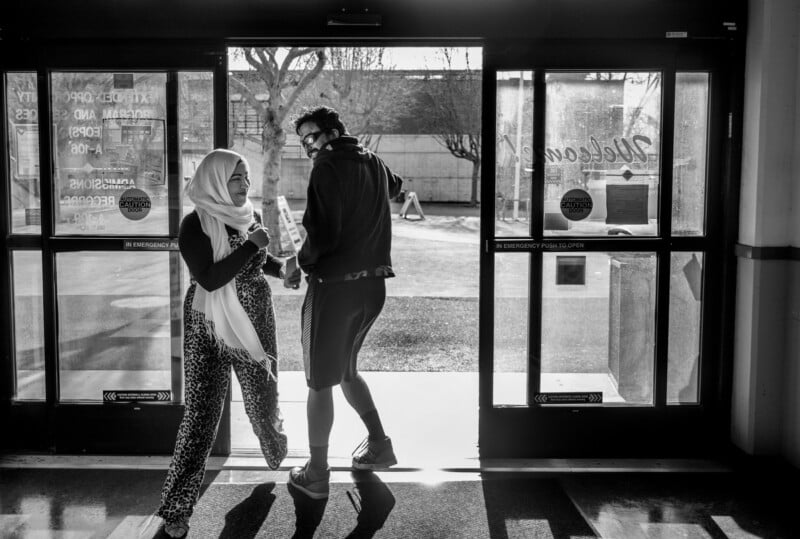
(93, 497)
(440, 489)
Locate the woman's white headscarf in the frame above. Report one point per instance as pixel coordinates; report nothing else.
(223, 313)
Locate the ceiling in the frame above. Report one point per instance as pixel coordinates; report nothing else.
(399, 19)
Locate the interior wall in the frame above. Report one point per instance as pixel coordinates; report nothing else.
(791, 442)
(791, 423)
(766, 363)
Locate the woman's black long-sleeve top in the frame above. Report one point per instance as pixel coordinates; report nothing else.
(198, 254)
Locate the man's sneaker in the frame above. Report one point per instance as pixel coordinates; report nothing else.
(177, 528)
(374, 455)
(312, 483)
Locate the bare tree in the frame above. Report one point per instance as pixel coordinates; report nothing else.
(363, 91)
(454, 104)
(284, 79)
(197, 107)
(651, 82)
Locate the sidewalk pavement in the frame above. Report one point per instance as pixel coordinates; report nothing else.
(459, 209)
(432, 417)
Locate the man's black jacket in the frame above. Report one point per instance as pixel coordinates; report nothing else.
(348, 219)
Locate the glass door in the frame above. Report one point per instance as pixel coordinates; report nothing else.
(97, 281)
(596, 261)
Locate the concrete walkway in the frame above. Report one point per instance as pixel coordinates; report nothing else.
(431, 417)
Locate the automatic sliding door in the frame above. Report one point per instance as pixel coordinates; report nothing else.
(98, 264)
(110, 180)
(598, 252)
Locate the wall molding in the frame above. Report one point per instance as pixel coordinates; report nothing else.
(767, 253)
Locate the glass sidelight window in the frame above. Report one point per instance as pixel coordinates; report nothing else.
(511, 329)
(685, 308)
(196, 119)
(28, 325)
(689, 154)
(514, 150)
(22, 111)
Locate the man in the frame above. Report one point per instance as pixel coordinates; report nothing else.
(346, 256)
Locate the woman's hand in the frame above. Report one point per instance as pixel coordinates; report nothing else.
(260, 237)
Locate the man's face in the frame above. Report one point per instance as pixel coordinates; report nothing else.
(313, 138)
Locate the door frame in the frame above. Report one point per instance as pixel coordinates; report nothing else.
(503, 432)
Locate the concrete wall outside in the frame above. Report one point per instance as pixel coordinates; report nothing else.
(426, 167)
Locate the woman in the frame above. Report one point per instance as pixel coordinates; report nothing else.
(228, 321)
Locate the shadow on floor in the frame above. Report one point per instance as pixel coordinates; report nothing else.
(117, 503)
(530, 507)
(246, 518)
(715, 506)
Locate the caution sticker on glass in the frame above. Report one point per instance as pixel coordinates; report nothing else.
(134, 204)
(576, 204)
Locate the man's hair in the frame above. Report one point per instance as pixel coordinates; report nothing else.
(326, 119)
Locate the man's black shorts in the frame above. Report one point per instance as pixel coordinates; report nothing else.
(336, 318)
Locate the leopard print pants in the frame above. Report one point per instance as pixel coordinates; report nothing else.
(207, 375)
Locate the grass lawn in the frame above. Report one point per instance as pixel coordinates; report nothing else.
(430, 334)
(411, 334)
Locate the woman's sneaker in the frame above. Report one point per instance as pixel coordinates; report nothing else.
(374, 455)
(177, 528)
(313, 483)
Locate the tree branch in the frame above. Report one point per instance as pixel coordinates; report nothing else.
(305, 80)
(248, 94)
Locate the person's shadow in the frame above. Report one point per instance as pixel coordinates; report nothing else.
(372, 500)
(308, 513)
(245, 520)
